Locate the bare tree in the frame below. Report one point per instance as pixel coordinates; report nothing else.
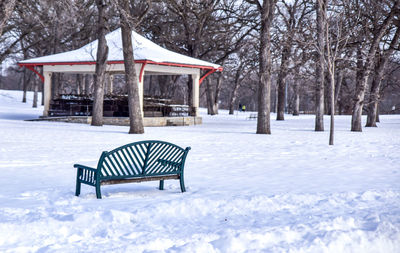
(320, 65)
(128, 23)
(377, 80)
(101, 64)
(6, 8)
(335, 41)
(367, 66)
(266, 10)
(291, 16)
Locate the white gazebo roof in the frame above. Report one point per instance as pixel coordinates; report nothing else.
(144, 51)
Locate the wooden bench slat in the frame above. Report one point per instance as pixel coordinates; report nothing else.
(139, 179)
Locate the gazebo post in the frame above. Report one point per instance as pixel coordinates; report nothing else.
(195, 94)
(47, 92)
(140, 77)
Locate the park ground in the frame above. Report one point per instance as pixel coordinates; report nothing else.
(285, 192)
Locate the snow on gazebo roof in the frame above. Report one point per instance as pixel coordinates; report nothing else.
(144, 51)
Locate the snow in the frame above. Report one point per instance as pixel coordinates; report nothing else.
(144, 49)
(285, 192)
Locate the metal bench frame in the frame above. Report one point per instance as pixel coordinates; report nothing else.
(135, 162)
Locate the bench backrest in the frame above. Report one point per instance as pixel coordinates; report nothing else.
(145, 158)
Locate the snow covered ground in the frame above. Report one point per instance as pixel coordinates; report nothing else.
(285, 192)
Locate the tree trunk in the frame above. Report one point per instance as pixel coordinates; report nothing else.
(217, 93)
(332, 102)
(280, 115)
(296, 109)
(338, 86)
(234, 94)
(362, 82)
(35, 93)
(135, 112)
(320, 66)
(376, 82)
(210, 98)
(264, 90)
(87, 91)
(190, 95)
(101, 64)
(377, 113)
(24, 86)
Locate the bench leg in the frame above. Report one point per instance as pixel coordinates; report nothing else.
(78, 183)
(161, 185)
(78, 188)
(98, 192)
(182, 183)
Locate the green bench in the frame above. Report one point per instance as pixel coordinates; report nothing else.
(135, 162)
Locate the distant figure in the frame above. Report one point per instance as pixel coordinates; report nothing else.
(243, 108)
(240, 107)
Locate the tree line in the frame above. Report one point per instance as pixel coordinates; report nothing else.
(313, 56)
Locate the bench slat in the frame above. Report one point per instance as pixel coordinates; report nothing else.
(118, 168)
(129, 162)
(171, 152)
(139, 179)
(139, 157)
(162, 152)
(107, 171)
(124, 167)
(135, 161)
(142, 152)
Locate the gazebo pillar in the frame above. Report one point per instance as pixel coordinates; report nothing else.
(140, 77)
(195, 94)
(47, 92)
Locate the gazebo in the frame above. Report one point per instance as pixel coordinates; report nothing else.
(150, 59)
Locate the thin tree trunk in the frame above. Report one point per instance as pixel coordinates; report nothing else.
(234, 94)
(35, 93)
(210, 97)
(296, 109)
(377, 113)
(78, 84)
(24, 86)
(87, 85)
(190, 95)
(264, 90)
(320, 66)
(217, 93)
(281, 83)
(338, 86)
(135, 112)
(101, 64)
(332, 104)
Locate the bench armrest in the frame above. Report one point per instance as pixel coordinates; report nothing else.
(85, 174)
(80, 166)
